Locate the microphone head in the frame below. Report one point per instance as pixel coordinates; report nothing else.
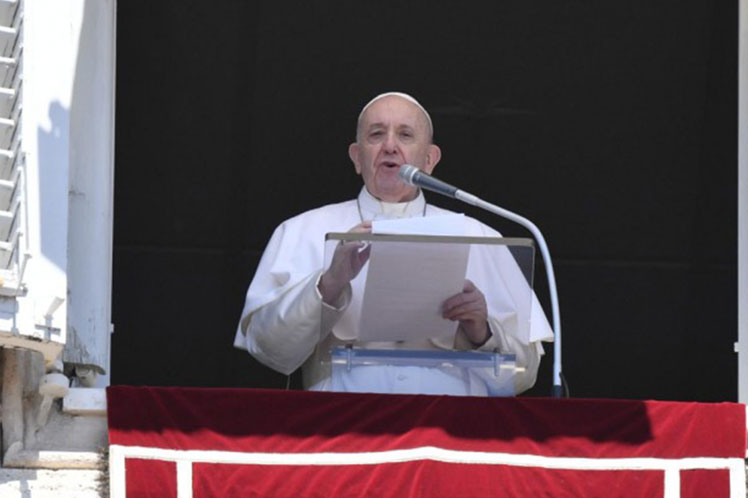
(407, 171)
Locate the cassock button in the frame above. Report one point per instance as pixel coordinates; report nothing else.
(401, 377)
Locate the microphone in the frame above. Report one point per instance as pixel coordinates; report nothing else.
(414, 176)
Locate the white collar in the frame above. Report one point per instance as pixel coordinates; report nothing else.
(372, 208)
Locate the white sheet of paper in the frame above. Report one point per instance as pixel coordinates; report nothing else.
(443, 224)
(407, 282)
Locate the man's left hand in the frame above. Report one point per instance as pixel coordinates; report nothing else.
(469, 307)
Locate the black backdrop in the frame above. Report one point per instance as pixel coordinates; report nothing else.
(610, 124)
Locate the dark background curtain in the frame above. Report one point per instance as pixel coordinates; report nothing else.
(612, 125)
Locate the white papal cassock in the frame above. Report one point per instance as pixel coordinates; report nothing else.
(280, 323)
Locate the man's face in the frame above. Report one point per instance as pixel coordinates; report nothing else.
(392, 132)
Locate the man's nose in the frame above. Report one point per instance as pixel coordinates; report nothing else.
(390, 144)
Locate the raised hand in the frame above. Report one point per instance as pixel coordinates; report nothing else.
(347, 261)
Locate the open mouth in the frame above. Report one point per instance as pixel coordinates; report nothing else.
(390, 164)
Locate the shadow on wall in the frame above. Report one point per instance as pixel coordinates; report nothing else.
(53, 158)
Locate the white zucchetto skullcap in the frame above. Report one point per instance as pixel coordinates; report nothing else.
(404, 96)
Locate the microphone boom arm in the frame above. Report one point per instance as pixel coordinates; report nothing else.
(557, 391)
(414, 176)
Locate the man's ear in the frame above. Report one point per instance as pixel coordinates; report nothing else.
(433, 156)
(353, 154)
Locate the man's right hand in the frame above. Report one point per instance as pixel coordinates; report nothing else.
(347, 262)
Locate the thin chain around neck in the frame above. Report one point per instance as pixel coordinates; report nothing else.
(361, 214)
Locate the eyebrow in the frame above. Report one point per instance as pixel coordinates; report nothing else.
(380, 124)
(361, 131)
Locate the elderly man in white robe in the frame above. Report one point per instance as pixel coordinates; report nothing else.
(292, 296)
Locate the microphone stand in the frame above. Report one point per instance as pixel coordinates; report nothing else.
(557, 390)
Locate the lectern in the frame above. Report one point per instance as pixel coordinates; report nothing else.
(392, 337)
